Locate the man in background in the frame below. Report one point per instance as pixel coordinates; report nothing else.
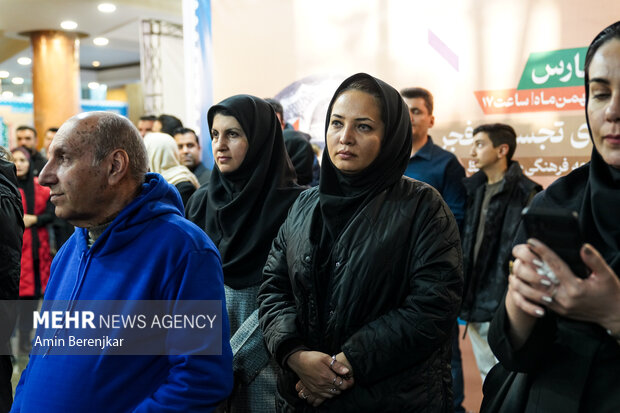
(496, 195)
(27, 137)
(190, 152)
(145, 124)
(430, 163)
(49, 135)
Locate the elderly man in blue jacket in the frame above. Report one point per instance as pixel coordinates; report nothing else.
(132, 243)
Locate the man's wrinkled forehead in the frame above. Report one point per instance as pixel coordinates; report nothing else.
(77, 133)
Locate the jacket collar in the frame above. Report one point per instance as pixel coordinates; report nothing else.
(426, 151)
(479, 178)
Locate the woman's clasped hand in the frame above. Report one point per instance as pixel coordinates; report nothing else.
(321, 376)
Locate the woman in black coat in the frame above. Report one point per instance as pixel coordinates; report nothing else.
(363, 282)
(562, 330)
(12, 224)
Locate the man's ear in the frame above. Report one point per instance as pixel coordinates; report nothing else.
(503, 150)
(119, 166)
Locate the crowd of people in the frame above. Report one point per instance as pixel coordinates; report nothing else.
(340, 282)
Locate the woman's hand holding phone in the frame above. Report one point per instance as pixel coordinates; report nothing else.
(532, 291)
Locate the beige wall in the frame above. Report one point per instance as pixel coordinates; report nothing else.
(260, 47)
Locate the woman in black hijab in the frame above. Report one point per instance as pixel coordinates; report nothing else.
(363, 282)
(562, 330)
(241, 208)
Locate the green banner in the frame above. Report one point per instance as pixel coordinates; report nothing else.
(558, 68)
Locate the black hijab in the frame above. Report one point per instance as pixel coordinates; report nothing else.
(597, 204)
(245, 208)
(602, 197)
(301, 154)
(342, 195)
(26, 183)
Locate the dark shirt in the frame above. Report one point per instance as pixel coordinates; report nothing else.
(443, 171)
(490, 190)
(202, 173)
(186, 190)
(61, 230)
(38, 162)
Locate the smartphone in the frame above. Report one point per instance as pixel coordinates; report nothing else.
(559, 230)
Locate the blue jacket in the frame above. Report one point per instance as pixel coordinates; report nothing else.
(149, 252)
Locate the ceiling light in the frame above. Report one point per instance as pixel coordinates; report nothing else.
(17, 80)
(68, 25)
(106, 8)
(7, 94)
(24, 61)
(96, 63)
(4, 74)
(100, 41)
(93, 85)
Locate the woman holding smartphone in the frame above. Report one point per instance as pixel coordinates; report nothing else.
(564, 331)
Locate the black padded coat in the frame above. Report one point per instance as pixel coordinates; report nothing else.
(392, 299)
(11, 233)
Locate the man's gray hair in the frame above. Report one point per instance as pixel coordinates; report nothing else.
(117, 132)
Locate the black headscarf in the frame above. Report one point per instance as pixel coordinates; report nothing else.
(245, 208)
(596, 204)
(602, 196)
(26, 183)
(301, 154)
(342, 195)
